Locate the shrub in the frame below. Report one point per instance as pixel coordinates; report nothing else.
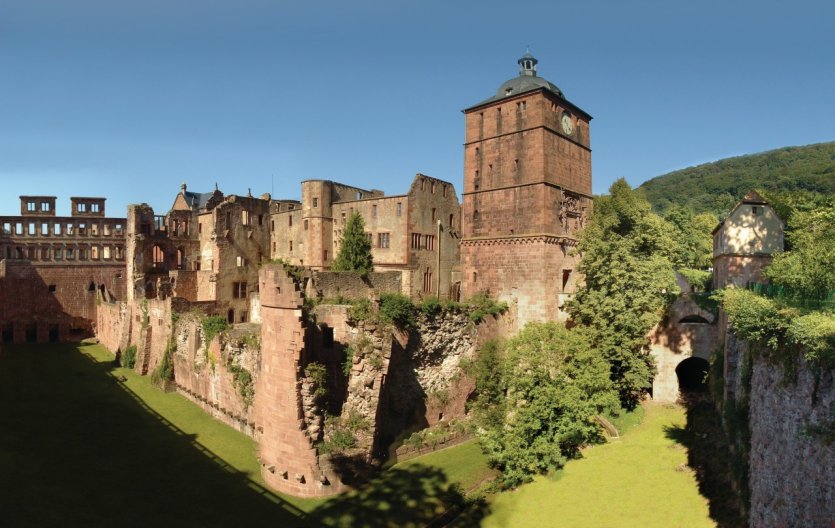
(128, 358)
(699, 280)
(165, 370)
(398, 309)
(356, 422)
(348, 362)
(339, 441)
(318, 375)
(213, 326)
(430, 307)
(360, 310)
(483, 305)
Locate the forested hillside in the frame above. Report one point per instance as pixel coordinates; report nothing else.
(716, 187)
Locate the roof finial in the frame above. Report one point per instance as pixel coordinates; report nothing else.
(527, 64)
(216, 186)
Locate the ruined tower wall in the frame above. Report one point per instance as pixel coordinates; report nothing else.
(289, 461)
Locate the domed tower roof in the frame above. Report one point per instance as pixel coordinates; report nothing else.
(527, 81)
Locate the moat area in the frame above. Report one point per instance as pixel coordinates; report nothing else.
(87, 443)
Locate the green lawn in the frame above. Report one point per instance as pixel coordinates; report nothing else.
(639, 480)
(79, 448)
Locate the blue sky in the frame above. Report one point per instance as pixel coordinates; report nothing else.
(129, 99)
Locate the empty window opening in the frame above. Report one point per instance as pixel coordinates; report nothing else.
(158, 257)
(81, 208)
(755, 210)
(181, 258)
(94, 252)
(315, 201)
(240, 261)
(91, 287)
(451, 218)
(105, 252)
(246, 217)
(693, 319)
(305, 225)
(427, 280)
(327, 336)
(433, 187)
(95, 208)
(94, 229)
(373, 211)
(475, 215)
(566, 277)
(230, 316)
(31, 206)
(399, 208)
(434, 211)
(52, 288)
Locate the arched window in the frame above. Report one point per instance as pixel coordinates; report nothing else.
(693, 319)
(158, 257)
(181, 258)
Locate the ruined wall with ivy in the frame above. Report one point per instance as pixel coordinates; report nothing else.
(219, 375)
(787, 417)
(791, 465)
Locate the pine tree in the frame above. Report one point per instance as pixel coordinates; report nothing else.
(355, 251)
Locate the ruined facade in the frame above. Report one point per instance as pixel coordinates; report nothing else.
(744, 243)
(527, 192)
(207, 248)
(416, 233)
(52, 268)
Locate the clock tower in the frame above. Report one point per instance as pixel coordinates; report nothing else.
(527, 193)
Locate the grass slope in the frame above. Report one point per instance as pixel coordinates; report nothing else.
(639, 480)
(716, 187)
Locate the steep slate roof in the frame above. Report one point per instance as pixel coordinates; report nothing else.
(197, 200)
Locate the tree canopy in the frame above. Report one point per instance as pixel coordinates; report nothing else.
(355, 249)
(716, 187)
(538, 397)
(627, 261)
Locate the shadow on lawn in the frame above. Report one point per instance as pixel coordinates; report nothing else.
(79, 449)
(708, 454)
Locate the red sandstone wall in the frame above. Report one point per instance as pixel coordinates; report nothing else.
(201, 374)
(113, 322)
(289, 461)
(71, 306)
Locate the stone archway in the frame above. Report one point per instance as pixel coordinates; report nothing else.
(691, 374)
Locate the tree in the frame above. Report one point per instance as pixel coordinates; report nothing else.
(355, 250)
(808, 268)
(627, 261)
(693, 236)
(538, 399)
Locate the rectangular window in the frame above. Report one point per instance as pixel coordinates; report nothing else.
(240, 261)
(119, 230)
(326, 255)
(105, 229)
(70, 253)
(239, 290)
(343, 217)
(7, 228)
(433, 214)
(81, 208)
(118, 253)
(32, 229)
(305, 225)
(19, 228)
(44, 229)
(370, 238)
(429, 242)
(373, 211)
(399, 208)
(58, 252)
(289, 220)
(315, 202)
(260, 220)
(105, 253)
(416, 240)
(755, 210)
(94, 252)
(245, 217)
(70, 228)
(82, 229)
(382, 240)
(45, 207)
(94, 229)
(31, 206)
(95, 208)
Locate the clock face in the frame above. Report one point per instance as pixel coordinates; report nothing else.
(567, 123)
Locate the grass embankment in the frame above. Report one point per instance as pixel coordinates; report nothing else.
(79, 447)
(638, 480)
